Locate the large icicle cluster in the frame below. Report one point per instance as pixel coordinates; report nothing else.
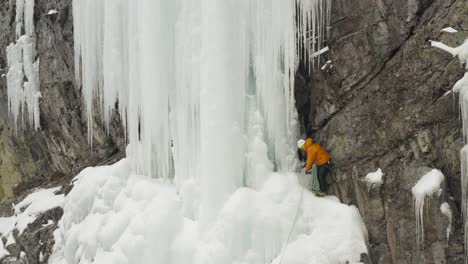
(198, 73)
(23, 96)
(461, 86)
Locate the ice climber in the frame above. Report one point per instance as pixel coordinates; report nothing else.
(315, 154)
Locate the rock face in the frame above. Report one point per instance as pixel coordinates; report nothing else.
(381, 104)
(60, 148)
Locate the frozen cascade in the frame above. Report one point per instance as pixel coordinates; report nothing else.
(461, 86)
(192, 63)
(21, 63)
(207, 86)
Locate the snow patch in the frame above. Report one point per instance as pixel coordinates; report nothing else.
(320, 52)
(425, 188)
(447, 211)
(375, 179)
(3, 252)
(52, 12)
(328, 63)
(26, 212)
(449, 30)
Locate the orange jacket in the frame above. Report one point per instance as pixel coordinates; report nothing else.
(315, 154)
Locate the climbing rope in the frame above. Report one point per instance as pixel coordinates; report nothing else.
(295, 219)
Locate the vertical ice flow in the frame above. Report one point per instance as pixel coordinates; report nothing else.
(23, 96)
(180, 72)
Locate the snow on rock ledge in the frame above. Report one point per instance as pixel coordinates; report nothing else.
(26, 212)
(374, 179)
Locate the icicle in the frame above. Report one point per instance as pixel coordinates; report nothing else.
(24, 97)
(424, 189)
(29, 17)
(15, 78)
(19, 19)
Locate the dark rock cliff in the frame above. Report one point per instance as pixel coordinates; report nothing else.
(381, 104)
(59, 149)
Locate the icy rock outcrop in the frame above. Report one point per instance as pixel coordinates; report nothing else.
(26, 228)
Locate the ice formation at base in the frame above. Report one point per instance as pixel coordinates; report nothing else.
(23, 96)
(206, 93)
(425, 188)
(113, 218)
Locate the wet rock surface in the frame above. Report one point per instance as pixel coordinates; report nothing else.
(382, 103)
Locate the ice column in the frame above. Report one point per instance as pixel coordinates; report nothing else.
(180, 71)
(24, 96)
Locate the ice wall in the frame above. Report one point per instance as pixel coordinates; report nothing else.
(181, 72)
(23, 68)
(191, 60)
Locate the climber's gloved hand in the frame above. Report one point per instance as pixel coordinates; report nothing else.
(308, 172)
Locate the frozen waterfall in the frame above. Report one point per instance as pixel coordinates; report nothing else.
(180, 72)
(205, 90)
